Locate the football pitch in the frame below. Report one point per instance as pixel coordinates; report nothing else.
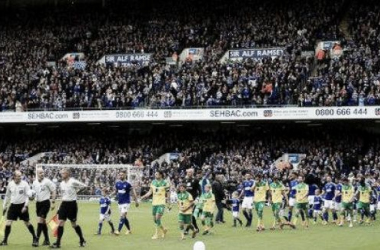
(224, 235)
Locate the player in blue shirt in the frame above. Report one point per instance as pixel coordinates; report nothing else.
(292, 194)
(310, 197)
(317, 206)
(247, 191)
(239, 188)
(123, 189)
(235, 203)
(105, 212)
(328, 194)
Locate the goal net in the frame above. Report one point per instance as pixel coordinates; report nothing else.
(95, 176)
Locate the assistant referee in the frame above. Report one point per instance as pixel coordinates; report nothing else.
(17, 193)
(69, 207)
(44, 189)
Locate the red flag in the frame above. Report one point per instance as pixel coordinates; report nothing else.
(53, 224)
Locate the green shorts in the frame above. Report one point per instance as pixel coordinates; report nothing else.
(159, 209)
(207, 214)
(363, 205)
(199, 205)
(302, 206)
(259, 206)
(276, 207)
(346, 205)
(197, 212)
(184, 218)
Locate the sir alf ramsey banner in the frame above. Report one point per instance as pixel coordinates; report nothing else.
(141, 59)
(256, 53)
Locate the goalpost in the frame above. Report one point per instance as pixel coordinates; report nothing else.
(95, 176)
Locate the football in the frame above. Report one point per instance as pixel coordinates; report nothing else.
(31, 194)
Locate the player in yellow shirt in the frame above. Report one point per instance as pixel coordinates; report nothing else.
(277, 194)
(302, 202)
(208, 200)
(261, 188)
(185, 207)
(364, 194)
(160, 190)
(348, 196)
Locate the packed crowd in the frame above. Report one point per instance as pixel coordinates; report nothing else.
(231, 153)
(354, 78)
(30, 40)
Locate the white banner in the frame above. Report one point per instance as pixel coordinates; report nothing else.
(192, 54)
(160, 115)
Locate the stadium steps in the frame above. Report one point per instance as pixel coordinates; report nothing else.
(344, 23)
(344, 26)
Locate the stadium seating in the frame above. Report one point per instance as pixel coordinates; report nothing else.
(32, 40)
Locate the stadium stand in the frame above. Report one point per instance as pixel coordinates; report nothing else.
(33, 76)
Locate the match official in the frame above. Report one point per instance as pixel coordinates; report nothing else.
(44, 189)
(18, 193)
(69, 207)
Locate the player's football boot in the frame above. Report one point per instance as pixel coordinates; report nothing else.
(194, 234)
(35, 242)
(55, 245)
(164, 232)
(82, 243)
(206, 232)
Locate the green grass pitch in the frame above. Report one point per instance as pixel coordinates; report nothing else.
(224, 236)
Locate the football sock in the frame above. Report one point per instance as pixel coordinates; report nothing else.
(112, 226)
(6, 233)
(100, 227)
(60, 234)
(126, 221)
(31, 231)
(121, 223)
(78, 230)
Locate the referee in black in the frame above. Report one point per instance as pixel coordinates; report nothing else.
(69, 207)
(45, 189)
(192, 186)
(17, 192)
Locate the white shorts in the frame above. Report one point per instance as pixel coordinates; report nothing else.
(292, 202)
(247, 202)
(337, 206)
(317, 211)
(123, 208)
(378, 205)
(311, 199)
(328, 204)
(372, 207)
(173, 197)
(105, 217)
(235, 214)
(282, 212)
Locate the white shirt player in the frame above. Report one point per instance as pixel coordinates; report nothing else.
(18, 193)
(43, 189)
(69, 189)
